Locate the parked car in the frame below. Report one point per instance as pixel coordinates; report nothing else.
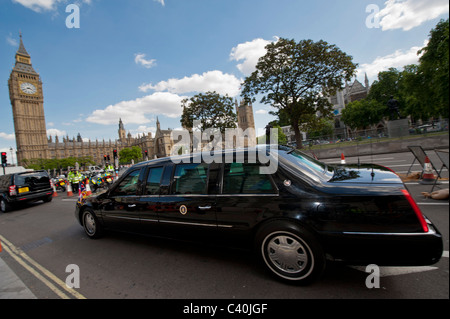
(24, 187)
(296, 219)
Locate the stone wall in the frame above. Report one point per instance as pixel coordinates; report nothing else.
(383, 147)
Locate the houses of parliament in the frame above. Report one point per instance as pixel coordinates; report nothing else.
(27, 100)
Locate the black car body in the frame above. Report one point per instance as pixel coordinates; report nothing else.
(24, 187)
(298, 217)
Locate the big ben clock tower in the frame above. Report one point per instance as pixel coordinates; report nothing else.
(27, 100)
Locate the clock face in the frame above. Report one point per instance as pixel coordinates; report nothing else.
(28, 88)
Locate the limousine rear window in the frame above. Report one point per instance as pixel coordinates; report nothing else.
(303, 159)
(190, 179)
(242, 178)
(154, 180)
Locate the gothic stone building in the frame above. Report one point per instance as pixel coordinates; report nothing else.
(27, 100)
(351, 92)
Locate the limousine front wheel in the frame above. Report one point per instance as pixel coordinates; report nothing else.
(290, 252)
(91, 226)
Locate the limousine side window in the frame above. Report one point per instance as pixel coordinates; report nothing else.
(153, 181)
(243, 178)
(129, 185)
(190, 179)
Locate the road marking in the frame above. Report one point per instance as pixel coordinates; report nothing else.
(397, 271)
(418, 183)
(445, 254)
(432, 204)
(28, 263)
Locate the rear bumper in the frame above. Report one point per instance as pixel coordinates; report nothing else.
(29, 197)
(385, 249)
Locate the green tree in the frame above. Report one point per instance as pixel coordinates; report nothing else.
(412, 93)
(296, 78)
(434, 68)
(49, 164)
(324, 127)
(387, 85)
(282, 139)
(363, 113)
(128, 154)
(211, 109)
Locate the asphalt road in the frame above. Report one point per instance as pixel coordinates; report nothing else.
(41, 240)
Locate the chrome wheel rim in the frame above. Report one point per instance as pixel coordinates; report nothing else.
(89, 223)
(2, 206)
(288, 255)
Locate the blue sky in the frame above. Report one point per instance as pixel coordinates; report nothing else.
(138, 59)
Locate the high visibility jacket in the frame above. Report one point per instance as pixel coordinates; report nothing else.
(77, 177)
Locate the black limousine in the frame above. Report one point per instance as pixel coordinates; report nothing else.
(296, 218)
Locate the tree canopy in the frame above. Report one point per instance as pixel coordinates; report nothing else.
(298, 77)
(128, 154)
(211, 109)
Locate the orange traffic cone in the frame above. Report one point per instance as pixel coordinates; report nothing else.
(428, 177)
(69, 190)
(55, 193)
(343, 159)
(88, 188)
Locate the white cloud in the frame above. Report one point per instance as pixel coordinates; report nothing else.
(143, 129)
(9, 137)
(56, 132)
(11, 41)
(45, 5)
(139, 58)
(408, 14)
(398, 59)
(160, 1)
(263, 112)
(217, 81)
(250, 52)
(135, 111)
(38, 5)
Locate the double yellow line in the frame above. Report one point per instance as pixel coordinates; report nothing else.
(45, 276)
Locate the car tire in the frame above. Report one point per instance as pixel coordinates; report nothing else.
(48, 199)
(290, 252)
(4, 206)
(92, 227)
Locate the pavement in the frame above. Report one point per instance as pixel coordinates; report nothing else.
(11, 287)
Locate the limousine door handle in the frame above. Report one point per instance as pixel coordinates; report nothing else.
(204, 207)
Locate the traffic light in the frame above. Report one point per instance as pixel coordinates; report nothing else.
(4, 159)
(115, 154)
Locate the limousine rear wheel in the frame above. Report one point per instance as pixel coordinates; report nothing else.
(290, 252)
(91, 225)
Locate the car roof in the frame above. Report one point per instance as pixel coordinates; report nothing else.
(244, 151)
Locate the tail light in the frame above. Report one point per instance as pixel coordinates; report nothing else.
(416, 209)
(12, 190)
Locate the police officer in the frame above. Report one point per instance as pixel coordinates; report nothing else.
(75, 178)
